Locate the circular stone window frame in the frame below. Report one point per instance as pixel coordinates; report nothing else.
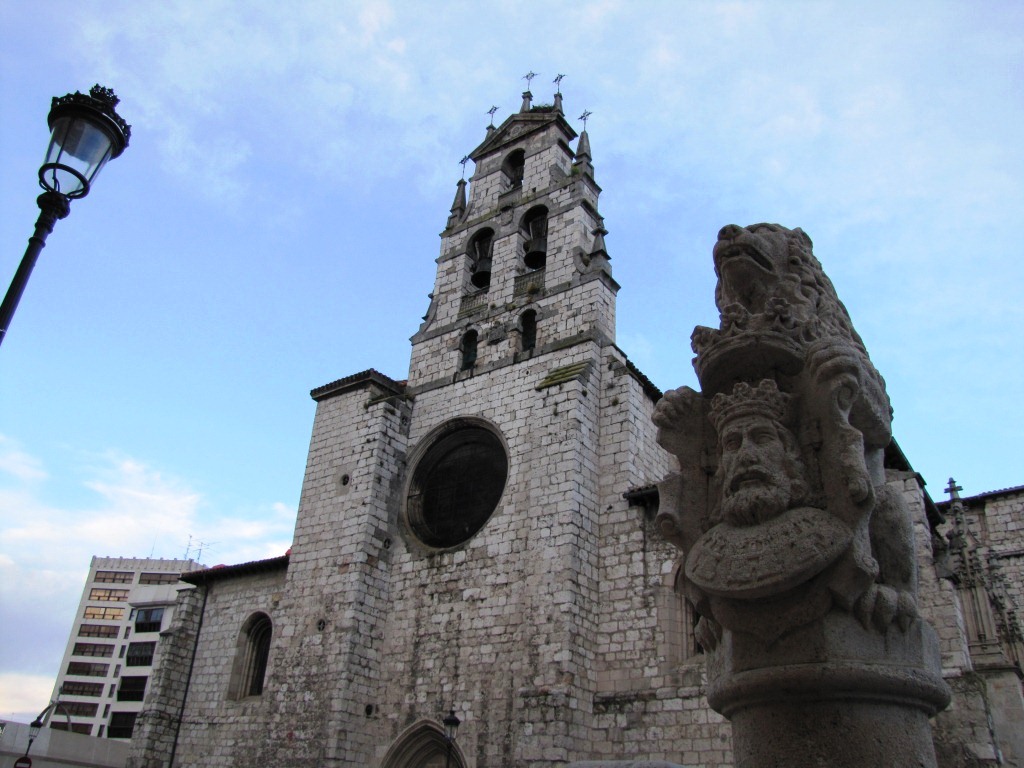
(420, 460)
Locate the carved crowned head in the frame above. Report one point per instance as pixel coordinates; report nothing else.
(760, 471)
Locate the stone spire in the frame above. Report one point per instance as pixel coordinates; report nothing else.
(582, 159)
(558, 103)
(459, 205)
(598, 255)
(527, 101)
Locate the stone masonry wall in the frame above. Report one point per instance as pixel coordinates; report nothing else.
(218, 729)
(338, 594)
(498, 628)
(157, 725)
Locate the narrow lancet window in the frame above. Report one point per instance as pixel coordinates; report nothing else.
(528, 326)
(468, 347)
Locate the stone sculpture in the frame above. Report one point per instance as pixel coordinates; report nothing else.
(799, 557)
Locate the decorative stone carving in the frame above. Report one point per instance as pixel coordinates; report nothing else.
(796, 548)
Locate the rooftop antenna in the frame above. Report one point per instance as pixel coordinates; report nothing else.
(463, 161)
(584, 116)
(491, 112)
(558, 83)
(528, 77)
(199, 548)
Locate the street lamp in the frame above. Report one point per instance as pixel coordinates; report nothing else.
(33, 730)
(37, 725)
(451, 728)
(86, 132)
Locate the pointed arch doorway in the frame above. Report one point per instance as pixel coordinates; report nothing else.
(423, 745)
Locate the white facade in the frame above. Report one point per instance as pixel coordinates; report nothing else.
(105, 671)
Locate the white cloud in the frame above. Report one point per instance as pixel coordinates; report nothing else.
(18, 463)
(22, 697)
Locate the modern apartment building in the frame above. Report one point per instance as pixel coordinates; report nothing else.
(102, 681)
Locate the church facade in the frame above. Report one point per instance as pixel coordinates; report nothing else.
(478, 541)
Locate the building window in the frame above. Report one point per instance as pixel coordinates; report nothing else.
(534, 230)
(132, 688)
(140, 654)
(88, 668)
(73, 688)
(159, 578)
(97, 630)
(468, 350)
(528, 326)
(114, 577)
(686, 620)
(108, 595)
(456, 484)
(62, 725)
(92, 649)
(79, 708)
(514, 168)
(252, 655)
(481, 250)
(121, 725)
(148, 620)
(97, 612)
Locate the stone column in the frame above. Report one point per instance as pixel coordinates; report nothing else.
(799, 556)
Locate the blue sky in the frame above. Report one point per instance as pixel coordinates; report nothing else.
(274, 223)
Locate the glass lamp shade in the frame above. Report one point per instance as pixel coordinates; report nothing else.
(86, 132)
(34, 728)
(451, 726)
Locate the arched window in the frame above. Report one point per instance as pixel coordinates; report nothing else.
(687, 620)
(251, 656)
(528, 327)
(468, 348)
(514, 168)
(481, 247)
(534, 229)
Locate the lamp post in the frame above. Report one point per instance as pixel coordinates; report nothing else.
(86, 132)
(37, 725)
(451, 728)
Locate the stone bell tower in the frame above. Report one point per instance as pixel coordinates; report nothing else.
(525, 428)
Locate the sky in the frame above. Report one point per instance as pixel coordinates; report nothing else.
(274, 222)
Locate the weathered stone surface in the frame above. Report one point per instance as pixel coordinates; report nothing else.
(799, 556)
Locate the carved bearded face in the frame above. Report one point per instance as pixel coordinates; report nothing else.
(760, 470)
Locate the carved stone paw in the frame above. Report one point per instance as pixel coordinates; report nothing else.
(833, 359)
(881, 605)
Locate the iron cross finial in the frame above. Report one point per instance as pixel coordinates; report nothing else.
(463, 161)
(491, 112)
(528, 77)
(558, 83)
(586, 113)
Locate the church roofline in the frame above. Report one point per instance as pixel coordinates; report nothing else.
(357, 381)
(1017, 489)
(218, 572)
(535, 119)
